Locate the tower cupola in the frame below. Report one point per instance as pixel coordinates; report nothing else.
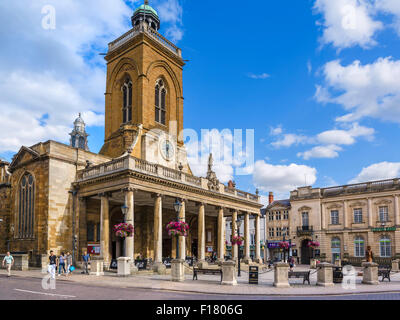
(79, 135)
(148, 14)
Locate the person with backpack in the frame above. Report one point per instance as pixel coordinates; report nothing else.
(8, 262)
(61, 264)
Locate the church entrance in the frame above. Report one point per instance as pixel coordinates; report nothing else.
(305, 252)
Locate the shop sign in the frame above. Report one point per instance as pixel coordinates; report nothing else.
(384, 229)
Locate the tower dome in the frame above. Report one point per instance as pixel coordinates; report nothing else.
(148, 14)
(79, 135)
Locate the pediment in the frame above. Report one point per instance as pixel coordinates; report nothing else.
(358, 204)
(383, 202)
(305, 208)
(24, 155)
(334, 206)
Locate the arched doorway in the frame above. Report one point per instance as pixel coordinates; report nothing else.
(305, 252)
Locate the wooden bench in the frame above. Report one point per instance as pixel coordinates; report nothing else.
(300, 274)
(384, 272)
(196, 271)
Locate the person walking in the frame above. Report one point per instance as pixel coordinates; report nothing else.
(52, 264)
(291, 263)
(86, 261)
(68, 260)
(8, 262)
(61, 264)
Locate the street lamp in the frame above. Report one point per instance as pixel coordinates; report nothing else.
(177, 207)
(124, 210)
(238, 225)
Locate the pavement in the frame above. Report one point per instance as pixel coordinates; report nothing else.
(209, 284)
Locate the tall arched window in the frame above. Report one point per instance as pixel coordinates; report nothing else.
(359, 247)
(26, 211)
(127, 101)
(160, 97)
(385, 246)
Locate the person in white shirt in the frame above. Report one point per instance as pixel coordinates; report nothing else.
(8, 262)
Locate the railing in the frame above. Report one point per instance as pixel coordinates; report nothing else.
(151, 32)
(305, 230)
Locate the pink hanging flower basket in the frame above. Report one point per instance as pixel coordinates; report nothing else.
(313, 244)
(124, 230)
(284, 245)
(236, 240)
(178, 228)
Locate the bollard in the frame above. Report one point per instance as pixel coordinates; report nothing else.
(124, 266)
(325, 275)
(96, 268)
(281, 275)
(229, 273)
(395, 265)
(177, 270)
(370, 273)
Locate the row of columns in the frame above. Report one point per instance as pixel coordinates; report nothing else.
(158, 224)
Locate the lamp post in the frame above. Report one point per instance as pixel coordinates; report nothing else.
(124, 210)
(238, 224)
(177, 207)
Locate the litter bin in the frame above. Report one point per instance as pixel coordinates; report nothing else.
(253, 275)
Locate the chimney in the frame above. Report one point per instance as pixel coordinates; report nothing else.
(271, 197)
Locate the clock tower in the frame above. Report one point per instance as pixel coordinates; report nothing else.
(144, 99)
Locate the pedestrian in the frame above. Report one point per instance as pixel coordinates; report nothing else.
(291, 263)
(86, 261)
(8, 262)
(61, 264)
(68, 260)
(52, 264)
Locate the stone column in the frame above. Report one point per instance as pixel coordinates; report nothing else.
(182, 240)
(235, 247)
(257, 242)
(370, 273)
(325, 275)
(105, 231)
(323, 217)
(396, 210)
(281, 275)
(370, 214)
(201, 242)
(345, 216)
(158, 266)
(130, 219)
(82, 231)
(247, 258)
(221, 240)
(177, 270)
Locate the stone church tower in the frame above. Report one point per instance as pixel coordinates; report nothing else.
(144, 103)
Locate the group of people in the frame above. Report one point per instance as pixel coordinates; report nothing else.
(61, 263)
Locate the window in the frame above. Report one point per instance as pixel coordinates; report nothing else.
(271, 216)
(26, 210)
(286, 215)
(127, 101)
(98, 233)
(285, 231)
(358, 218)
(335, 247)
(304, 218)
(278, 232)
(160, 98)
(334, 217)
(278, 215)
(383, 214)
(385, 247)
(271, 232)
(359, 247)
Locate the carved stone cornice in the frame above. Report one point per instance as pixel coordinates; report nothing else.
(335, 206)
(383, 201)
(304, 208)
(357, 204)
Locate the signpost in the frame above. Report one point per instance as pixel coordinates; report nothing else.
(253, 275)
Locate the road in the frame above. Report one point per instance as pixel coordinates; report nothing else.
(17, 288)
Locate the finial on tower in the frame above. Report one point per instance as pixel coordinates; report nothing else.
(146, 2)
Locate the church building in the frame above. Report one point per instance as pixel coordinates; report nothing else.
(65, 198)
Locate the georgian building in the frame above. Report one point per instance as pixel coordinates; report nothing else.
(59, 197)
(344, 220)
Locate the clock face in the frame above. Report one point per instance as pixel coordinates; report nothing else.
(167, 149)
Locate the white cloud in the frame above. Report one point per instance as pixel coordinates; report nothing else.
(259, 76)
(329, 151)
(371, 90)
(282, 179)
(390, 7)
(378, 171)
(348, 23)
(290, 139)
(170, 11)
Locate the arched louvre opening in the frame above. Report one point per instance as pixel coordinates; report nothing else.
(26, 210)
(160, 102)
(127, 101)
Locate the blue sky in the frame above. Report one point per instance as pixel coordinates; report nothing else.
(289, 72)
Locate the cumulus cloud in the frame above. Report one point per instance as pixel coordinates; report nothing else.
(171, 12)
(370, 90)
(282, 178)
(348, 23)
(378, 171)
(329, 151)
(290, 139)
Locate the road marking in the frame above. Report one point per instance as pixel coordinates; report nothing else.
(46, 294)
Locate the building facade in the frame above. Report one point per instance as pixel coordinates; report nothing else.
(344, 220)
(59, 197)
